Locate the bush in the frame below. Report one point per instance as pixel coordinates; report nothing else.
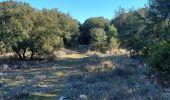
(113, 43)
(98, 40)
(160, 58)
(37, 33)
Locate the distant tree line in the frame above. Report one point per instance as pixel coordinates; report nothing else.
(24, 29)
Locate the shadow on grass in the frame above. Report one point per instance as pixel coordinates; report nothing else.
(126, 81)
(69, 78)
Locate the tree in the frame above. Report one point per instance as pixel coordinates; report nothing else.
(112, 37)
(91, 23)
(158, 52)
(98, 39)
(69, 29)
(160, 8)
(160, 11)
(15, 24)
(111, 32)
(45, 35)
(160, 58)
(131, 28)
(39, 32)
(157, 24)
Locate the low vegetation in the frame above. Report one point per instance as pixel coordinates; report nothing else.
(90, 75)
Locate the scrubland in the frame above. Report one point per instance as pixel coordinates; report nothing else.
(79, 76)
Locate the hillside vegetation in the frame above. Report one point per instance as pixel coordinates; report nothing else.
(46, 54)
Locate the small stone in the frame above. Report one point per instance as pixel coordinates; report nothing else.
(62, 98)
(15, 66)
(41, 77)
(3, 74)
(83, 97)
(5, 67)
(19, 77)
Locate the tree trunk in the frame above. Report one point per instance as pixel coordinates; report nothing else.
(19, 55)
(23, 55)
(17, 51)
(32, 55)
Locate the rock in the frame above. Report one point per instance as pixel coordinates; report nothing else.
(15, 66)
(83, 97)
(5, 67)
(3, 74)
(40, 77)
(62, 98)
(19, 77)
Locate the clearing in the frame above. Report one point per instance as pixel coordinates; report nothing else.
(78, 76)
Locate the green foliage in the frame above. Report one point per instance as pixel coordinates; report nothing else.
(98, 32)
(69, 29)
(113, 44)
(91, 23)
(45, 37)
(160, 8)
(160, 13)
(159, 54)
(112, 39)
(111, 32)
(15, 24)
(40, 32)
(131, 28)
(98, 39)
(160, 58)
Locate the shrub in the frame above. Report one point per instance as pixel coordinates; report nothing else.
(88, 25)
(113, 43)
(37, 33)
(160, 58)
(98, 39)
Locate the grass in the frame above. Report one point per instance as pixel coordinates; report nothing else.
(74, 56)
(61, 68)
(44, 95)
(111, 78)
(98, 76)
(16, 83)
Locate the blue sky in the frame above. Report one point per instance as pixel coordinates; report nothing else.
(83, 9)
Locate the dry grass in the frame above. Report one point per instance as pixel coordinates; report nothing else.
(60, 53)
(103, 66)
(117, 52)
(74, 56)
(91, 53)
(111, 76)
